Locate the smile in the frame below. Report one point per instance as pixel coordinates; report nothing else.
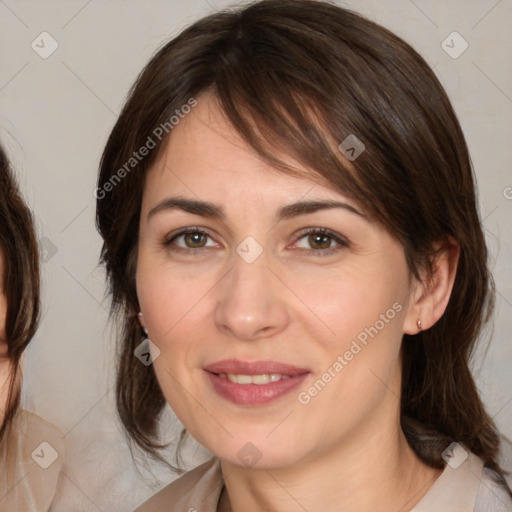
(254, 383)
(264, 378)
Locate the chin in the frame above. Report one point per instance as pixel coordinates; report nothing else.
(247, 450)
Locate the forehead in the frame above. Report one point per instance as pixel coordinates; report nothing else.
(205, 154)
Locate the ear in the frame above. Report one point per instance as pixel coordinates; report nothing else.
(429, 297)
(141, 322)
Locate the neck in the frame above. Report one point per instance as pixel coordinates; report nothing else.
(373, 469)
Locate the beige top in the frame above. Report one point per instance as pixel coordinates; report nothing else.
(30, 461)
(468, 488)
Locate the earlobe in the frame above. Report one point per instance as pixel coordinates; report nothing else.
(431, 297)
(141, 322)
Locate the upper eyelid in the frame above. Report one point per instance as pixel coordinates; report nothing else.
(301, 233)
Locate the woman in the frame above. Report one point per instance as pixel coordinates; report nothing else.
(288, 213)
(31, 449)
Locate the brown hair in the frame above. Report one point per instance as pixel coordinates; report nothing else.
(18, 245)
(301, 76)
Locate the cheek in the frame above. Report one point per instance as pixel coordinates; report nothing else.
(359, 364)
(173, 304)
(168, 298)
(340, 306)
(173, 313)
(3, 313)
(358, 338)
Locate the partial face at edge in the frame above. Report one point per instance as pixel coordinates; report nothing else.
(3, 307)
(307, 300)
(4, 363)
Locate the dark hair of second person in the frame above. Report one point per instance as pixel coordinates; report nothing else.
(20, 287)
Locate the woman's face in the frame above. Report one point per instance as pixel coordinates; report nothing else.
(257, 288)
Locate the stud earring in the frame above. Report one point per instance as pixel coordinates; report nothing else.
(143, 328)
(418, 323)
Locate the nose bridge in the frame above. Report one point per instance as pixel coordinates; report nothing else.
(250, 272)
(249, 304)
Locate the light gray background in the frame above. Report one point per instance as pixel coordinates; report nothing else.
(55, 116)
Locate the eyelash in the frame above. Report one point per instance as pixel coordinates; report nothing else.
(343, 243)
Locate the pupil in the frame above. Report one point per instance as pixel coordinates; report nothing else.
(195, 237)
(316, 239)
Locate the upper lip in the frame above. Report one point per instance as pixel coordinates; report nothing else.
(236, 366)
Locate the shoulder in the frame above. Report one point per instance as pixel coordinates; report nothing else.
(197, 490)
(36, 426)
(466, 485)
(33, 439)
(40, 441)
(492, 495)
(32, 460)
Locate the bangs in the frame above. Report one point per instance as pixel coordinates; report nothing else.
(287, 94)
(281, 122)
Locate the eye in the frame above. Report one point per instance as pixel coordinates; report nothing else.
(193, 238)
(321, 239)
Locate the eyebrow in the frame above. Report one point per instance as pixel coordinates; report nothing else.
(210, 210)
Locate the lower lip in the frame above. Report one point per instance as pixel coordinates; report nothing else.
(254, 394)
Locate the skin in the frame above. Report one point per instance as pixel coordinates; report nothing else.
(4, 363)
(344, 450)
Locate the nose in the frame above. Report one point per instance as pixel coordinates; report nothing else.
(251, 304)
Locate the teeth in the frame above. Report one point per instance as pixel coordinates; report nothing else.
(254, 379)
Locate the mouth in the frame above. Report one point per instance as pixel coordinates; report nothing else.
(258, 380)
(254, 383)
